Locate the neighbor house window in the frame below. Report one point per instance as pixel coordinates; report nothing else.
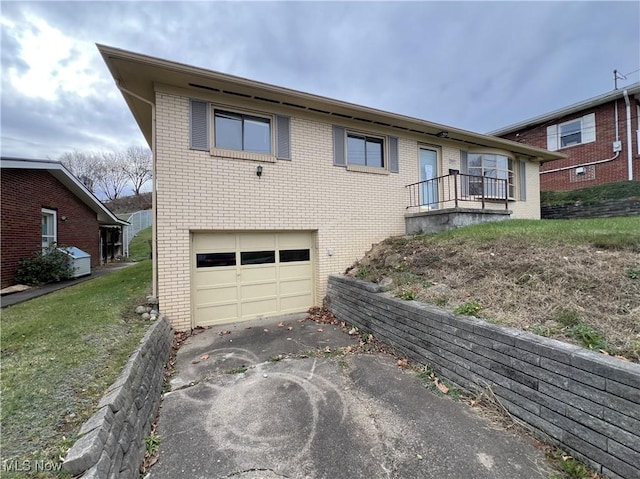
(49, 228)
(235, 131)
(573, 132)
(365, 150)
(485, 168)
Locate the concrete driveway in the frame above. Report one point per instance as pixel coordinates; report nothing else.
(298, 413)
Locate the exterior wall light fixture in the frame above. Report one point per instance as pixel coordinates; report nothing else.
(259, 171)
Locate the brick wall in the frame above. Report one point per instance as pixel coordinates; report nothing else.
(347, 210)
(602, 148)
(587, 403)
(24, 194)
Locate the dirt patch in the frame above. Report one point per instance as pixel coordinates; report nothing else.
(578, 294)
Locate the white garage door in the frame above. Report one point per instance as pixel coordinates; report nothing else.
(240, 276)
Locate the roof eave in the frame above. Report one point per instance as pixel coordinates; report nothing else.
(166, 70)
(60, 172)
(568, 110)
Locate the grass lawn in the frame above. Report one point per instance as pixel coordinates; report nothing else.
(607, 233)
(594, 194)
(140, 248)
(59, 354)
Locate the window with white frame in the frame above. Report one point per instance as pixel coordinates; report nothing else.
(573, 132)
(49, 228)
(235, 131)
(491, 175)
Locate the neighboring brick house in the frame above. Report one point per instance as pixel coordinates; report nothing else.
(42, 204)
(262, 192)
(600, 138)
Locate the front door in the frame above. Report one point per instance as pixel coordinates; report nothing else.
(429, 171)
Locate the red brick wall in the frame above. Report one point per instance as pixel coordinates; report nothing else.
(24, 193)
(602, 148)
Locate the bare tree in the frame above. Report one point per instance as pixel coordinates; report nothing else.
(137, 166)
(113, 178)
(84, 166)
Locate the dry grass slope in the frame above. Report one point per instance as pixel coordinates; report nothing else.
(577, 281)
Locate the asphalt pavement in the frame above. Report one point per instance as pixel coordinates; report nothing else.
(278, 398)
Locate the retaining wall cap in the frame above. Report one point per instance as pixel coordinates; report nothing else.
(613, 368)
(86, 451)
(102, 416)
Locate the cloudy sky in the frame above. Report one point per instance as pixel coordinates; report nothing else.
(472, 65)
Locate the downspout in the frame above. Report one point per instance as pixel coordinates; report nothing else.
(154, 195)
(629, 146)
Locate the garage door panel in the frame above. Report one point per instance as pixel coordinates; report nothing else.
(215, 242)
(295, 303)
(214, 295)
(239, 276)
(219, 314)
(252, 309)
(303, 285)
(257, 273)
(259, 290)
(295, 270)
(216, 276)
(257, 241)
(294, 241)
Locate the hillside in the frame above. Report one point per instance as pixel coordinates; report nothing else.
(130, 204)
(577, 281)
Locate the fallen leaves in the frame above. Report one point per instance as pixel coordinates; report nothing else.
(443, 389)
(403, 363)
(204, 357)
(223, 333)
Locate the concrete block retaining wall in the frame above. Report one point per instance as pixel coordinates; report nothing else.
(112, 440)
(587, 403)
(603, 209)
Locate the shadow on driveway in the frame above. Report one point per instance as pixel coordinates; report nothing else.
(311, 413)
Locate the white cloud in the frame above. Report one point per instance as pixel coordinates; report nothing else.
(56, 62)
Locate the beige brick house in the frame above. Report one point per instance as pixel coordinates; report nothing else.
(261, 192)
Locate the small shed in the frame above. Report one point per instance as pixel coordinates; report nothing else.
(80, 261)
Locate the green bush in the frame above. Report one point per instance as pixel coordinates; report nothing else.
(49, 266)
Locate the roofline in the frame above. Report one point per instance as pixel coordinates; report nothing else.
(567, 110)
(55, 166)
(339, 107)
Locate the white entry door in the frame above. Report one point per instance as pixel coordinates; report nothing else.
(429, 171)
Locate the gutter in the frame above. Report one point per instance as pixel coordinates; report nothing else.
(154, 201)
(629, 146)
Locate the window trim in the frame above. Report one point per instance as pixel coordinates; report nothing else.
(587, 122)
(341, 135)
(243, 154)
(368, 139)
(561, 136)
(53, 214)
(511, 172)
